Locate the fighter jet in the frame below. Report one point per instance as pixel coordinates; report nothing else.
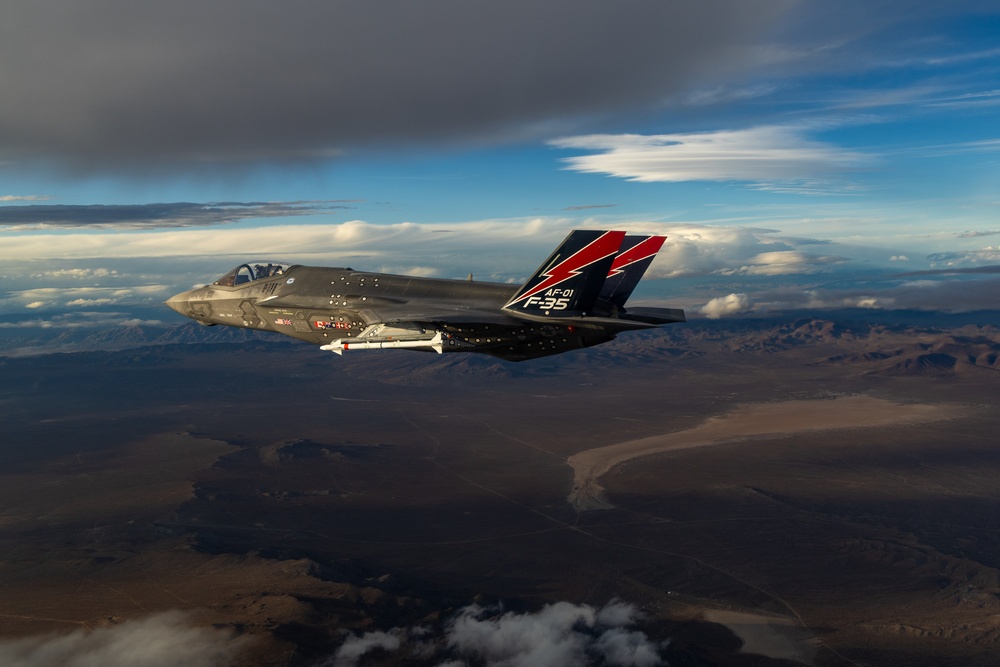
(575, 299)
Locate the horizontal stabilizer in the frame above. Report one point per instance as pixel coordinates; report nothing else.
(655, 315)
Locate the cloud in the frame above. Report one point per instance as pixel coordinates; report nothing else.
(346, 241)
(971, 235)
(91, 302)
(136, 322)
(733, 304)
(419, 271)
(961, 294)
(899, 258)
(547, 637)
(40, 297)
(727, 93)
(24, 197)
(953, 271)
(558, 635)
(733, 250)
(145, 216)
(352, 650)
(83, 321)
(766, 154)
(341, 240)
(988, 254)
(616, 614)
(954, 296)
(78, 274)
(501, 250)
(120, 83)
(161, 640)
(624, 647)
(117, 293)
(588, 206)
(783, 262)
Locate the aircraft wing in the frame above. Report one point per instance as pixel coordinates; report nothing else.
(427, 313)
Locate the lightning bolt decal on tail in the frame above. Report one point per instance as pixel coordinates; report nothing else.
(644, 249)
(605, 245)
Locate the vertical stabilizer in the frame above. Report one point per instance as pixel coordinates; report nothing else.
(570, 280)
(634, 257)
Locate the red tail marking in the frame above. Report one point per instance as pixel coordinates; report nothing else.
(604, 245)
(640, 251)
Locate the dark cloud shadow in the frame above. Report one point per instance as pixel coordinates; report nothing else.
(952, 271)
(176, 214)
(114, 84)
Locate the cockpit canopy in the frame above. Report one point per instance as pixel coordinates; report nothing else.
(247, 273)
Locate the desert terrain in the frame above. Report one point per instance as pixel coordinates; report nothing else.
(759, 492)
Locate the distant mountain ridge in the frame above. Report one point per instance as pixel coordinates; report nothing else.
(874, 348)
(29, 342)
(897, 349)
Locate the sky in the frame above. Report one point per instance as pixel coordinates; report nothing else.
(797, 154)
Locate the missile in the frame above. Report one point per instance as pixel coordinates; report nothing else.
(338, 346)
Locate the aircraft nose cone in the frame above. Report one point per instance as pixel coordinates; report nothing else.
(178, 303)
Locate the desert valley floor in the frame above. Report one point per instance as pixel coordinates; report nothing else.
(763, 493)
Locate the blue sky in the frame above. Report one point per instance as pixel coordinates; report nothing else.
(796, 154)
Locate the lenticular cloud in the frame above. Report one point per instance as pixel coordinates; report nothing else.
(757, 154)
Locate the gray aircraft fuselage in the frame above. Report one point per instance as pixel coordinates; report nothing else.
(561, 308)
(320, 305)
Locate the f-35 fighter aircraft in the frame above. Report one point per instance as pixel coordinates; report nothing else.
(575, 299)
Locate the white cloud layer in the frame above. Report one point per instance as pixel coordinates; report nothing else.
(13, 198)
(161, 640)
(492, 249)
(83, 321)
(781, 263)
(763, 154)
(141, 268)
(76, 297)
(77, 274)
(558, 635)
(138, 269)
(343, 239)
(987, 255)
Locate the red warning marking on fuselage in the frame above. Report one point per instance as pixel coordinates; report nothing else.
(322, 324)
